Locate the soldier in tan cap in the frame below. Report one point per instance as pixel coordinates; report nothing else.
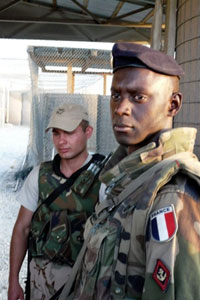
(56, 199)
(143, 242)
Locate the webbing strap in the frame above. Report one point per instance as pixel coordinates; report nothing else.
(67, 287)
(66, 185)
(140, 180)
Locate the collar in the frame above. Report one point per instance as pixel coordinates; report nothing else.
(169, 143)
(56, 164)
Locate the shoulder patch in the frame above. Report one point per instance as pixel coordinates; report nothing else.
(161, 275)
(163, 224)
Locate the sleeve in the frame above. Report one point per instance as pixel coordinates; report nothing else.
(28, 196)
(173, 248)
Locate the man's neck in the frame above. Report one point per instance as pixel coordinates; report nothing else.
(70, 166)
(152, 138)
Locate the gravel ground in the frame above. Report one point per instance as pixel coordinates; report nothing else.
(13, 144)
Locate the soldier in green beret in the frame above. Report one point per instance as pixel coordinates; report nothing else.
(56, 199)
(143, 242)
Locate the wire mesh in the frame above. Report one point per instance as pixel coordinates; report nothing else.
(71, 75)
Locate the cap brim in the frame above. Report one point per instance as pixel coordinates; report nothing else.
(66, 126)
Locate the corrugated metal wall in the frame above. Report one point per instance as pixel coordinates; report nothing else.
(188, 55)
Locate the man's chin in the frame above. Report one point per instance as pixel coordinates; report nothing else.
(65, 155)
(122, 140)
(128, 142)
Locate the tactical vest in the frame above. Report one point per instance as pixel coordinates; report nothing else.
(121, 221)
(57, 229)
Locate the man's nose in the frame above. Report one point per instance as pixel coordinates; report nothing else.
(62, 138)
(123, 107)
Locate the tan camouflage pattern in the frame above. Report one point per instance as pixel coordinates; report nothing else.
(43, 274)
(122, 255)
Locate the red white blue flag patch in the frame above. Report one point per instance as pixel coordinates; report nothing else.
(163, 224)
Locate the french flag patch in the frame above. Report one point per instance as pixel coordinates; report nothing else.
(163, 224)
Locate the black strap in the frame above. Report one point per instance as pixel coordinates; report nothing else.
(57, 294)
(66, 186)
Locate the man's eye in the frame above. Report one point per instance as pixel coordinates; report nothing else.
(55, 133)
(116, 97)
(139, 98)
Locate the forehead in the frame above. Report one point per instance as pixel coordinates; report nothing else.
(55, 129)
(138, 76)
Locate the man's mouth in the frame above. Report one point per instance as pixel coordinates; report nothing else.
(122, 127)
(62, 150)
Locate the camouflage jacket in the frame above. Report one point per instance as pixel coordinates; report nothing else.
(144, 239)
(57, 229)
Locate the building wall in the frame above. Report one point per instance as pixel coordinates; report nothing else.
(2, 107)
(188, 55)
(26, 106)
(15, 108)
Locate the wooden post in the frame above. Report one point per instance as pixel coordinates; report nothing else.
(170, 28)
(70, 80)
(104, 83)
(156, 31)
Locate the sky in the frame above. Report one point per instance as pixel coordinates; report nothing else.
(10, 48)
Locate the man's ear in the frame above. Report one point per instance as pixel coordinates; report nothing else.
(175, 104)
(89, 131)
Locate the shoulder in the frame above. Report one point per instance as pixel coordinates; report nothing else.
(33, 174)
(176, 210)
(46, 164)
(45, 168)
(181, 197)
(28, 195)
(183, 184)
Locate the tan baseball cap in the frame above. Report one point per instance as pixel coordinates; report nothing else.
(67, 117)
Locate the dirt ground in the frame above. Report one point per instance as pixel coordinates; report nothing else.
(13, 145)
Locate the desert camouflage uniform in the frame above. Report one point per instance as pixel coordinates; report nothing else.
(57, 230)
(144, 239)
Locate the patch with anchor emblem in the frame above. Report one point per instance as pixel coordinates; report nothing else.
(161, 275)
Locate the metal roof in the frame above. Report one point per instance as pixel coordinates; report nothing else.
(82, 59)
(77, 20)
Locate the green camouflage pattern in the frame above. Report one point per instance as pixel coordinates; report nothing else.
(57, 229)
(121, 256)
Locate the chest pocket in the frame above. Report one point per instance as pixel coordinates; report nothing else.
(99, 257)
(61, 237)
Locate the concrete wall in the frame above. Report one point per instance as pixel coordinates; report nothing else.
(15, 108)
(26, 107)
(2, 107)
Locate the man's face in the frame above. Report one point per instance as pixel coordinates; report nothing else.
(70, 145)
(140, 102)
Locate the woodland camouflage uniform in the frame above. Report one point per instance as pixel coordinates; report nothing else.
(144, 238)
(57, 229)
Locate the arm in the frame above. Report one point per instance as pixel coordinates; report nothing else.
(18, 250)
(173, 265)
